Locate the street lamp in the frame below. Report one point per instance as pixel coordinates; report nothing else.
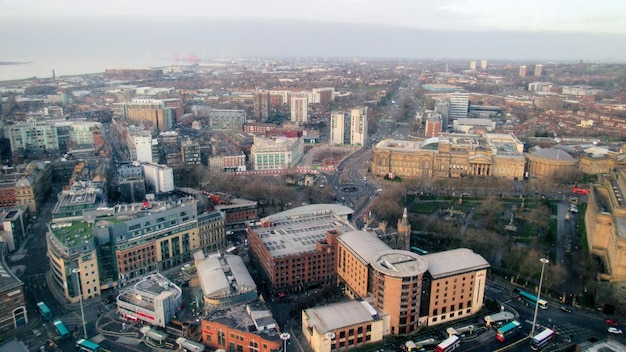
(543, 261)
(285, 336)
(80, 297)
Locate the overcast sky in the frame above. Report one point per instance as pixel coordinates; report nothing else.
(80, 36)
(597, 16)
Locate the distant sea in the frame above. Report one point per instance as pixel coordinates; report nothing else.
(42, 68)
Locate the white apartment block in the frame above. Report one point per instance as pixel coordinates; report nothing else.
(270, 154)
(299, 108)
(159, 178)
(338, 127)
(348, 128)
(358, 126)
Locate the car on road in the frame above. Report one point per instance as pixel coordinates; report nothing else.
(566, 309)
(613, 330)
(611, 322)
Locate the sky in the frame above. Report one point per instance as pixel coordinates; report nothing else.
(599, 16)
(84, 36)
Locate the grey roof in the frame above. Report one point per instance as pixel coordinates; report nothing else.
(364, 244)
(337, 209)
(212, 277)
(454, 262)
(399, 263)
(299, 232)
(8, 280)
(240, 272)
(553, 154)
(339, 315)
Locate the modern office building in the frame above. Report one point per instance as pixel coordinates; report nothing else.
(349, 128)
(271, 154)
(367, 267)
(117, 246)
(451, 155)
(459, 105)
(12, 299)
(296, 249)
(154, 300)
(244, 328)
(159, 178)
(344, 325)
(454, 285)
(299, 108)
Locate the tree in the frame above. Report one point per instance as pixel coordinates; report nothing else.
(490, 209)
(540, 217)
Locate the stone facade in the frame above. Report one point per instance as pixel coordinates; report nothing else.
(450, 155)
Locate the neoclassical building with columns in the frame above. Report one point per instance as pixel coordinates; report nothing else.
(451, 155)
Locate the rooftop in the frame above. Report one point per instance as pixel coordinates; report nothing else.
(364, 244)
(8, 280)
(339, 315)
(72, 233)
(294, 233)
(258, 321)
(453, 262)
(400, 263)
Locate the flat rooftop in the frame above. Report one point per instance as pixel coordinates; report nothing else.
(72, 233)
(454, 262)
(237, 317)
(299, 233)
(340, 315)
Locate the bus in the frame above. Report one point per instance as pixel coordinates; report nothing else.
(44, 311)
(577, 190)
(86, 345)
(449, 344)
(532, 299)
(509, 329)
(61, 329)
(418, 251)
(542, 339)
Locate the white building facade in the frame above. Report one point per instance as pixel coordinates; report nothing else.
(271, 154)
(159, 178)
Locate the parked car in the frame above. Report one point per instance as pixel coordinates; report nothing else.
(615, 331)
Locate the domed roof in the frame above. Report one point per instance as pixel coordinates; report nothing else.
(553, 154)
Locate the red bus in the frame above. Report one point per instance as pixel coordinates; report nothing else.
(577, 190)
